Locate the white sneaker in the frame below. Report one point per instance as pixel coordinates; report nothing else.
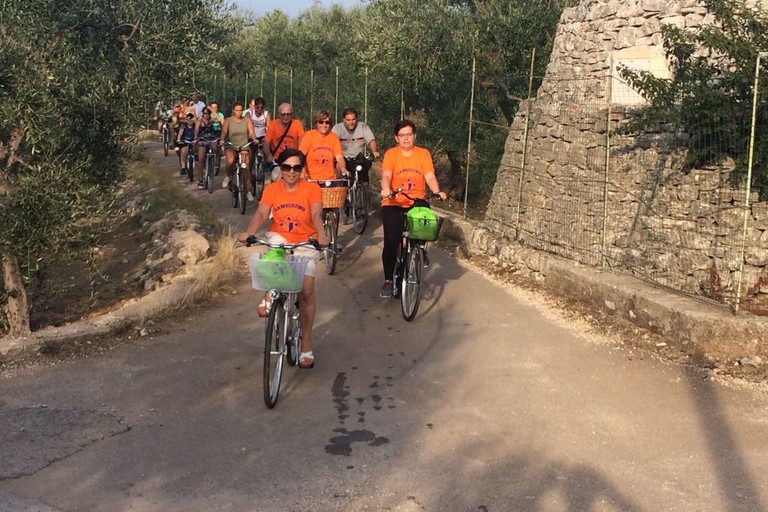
(225, 183)
(249, 196)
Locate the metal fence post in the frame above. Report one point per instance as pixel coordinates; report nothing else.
(469, 134)
(525, 148)
(748, 184)
(609, 98)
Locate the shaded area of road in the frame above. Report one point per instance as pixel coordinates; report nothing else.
(487, 401)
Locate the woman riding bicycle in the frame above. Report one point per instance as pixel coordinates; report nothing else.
(184, 138)
(407, 167)
(205, 136)
(237, 130)
(323, 149)
(296, 208)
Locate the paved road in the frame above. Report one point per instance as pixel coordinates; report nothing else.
(487, 401)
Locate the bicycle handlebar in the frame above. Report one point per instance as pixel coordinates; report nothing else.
(254, 240)
(238, 148)
(401, 191)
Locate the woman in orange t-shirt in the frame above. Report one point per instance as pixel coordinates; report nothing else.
(410, 168)
(323, 149)
(296, 208)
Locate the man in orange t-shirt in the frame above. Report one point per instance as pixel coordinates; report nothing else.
(281, 135)
(322, 148)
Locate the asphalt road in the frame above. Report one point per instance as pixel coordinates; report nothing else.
(488, 401)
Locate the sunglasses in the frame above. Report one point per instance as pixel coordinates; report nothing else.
(289, 167)
(324, 122)
(286, 113)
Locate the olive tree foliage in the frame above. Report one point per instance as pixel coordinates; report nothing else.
(420, 52)
(79, 78)
(706, 107)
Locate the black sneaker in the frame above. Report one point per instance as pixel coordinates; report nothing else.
(183, 171)
(386, 289)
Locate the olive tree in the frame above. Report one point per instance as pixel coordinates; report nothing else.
(78, 79)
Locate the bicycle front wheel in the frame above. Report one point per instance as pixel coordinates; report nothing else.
(242, 190)
(274, 350)
(209, 173)
(329, 226)
(410, 294)
(359, 209)
(166, 142)
(258, 180)
(191, 166)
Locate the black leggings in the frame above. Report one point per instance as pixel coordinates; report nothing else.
(392, 219)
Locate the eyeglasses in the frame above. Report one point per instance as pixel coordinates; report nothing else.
(289, 167)
(286, 113)
(206, 113)
(405, 135)
(324, 121)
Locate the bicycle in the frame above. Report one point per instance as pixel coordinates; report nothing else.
(282, 280)
(237, 185)
(356, 204)
(409, 266)
(258, 172)
(334, 193)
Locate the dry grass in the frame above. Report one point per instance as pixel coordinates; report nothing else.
(215, 272)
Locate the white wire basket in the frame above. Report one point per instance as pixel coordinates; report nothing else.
(284, 275)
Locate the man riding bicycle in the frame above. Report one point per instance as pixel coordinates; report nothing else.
(354, 135)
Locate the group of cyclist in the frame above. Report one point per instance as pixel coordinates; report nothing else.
(291, 202)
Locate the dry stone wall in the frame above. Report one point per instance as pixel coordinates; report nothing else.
(623, 202)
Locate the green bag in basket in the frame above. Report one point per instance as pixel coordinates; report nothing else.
(275, 272)
(422, 223)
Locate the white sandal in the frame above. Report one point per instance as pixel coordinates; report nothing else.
(306, 356)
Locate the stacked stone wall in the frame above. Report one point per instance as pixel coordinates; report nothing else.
(584, 193)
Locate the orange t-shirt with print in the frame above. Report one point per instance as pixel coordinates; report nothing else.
(320, 152)
(292, 209)
(292, 138)
(408, 173)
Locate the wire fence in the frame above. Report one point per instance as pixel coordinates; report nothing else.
(574, 183)
(567, 179)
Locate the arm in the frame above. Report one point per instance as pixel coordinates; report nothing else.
(249, 127)
(224, 131)
(317, 221)
(197, 128)
(386, 183)
(433, 185)
(259, 216)
(340, 165)
(374, 148)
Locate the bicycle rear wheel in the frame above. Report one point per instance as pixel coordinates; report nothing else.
(399, 271)
(410, 295)
(294, 339)
(329, 226)
(209, 159)
(359, 209)
(274, 349)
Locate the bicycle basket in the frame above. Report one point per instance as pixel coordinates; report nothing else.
(334, 192)
(423, 224)
(270, 274)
